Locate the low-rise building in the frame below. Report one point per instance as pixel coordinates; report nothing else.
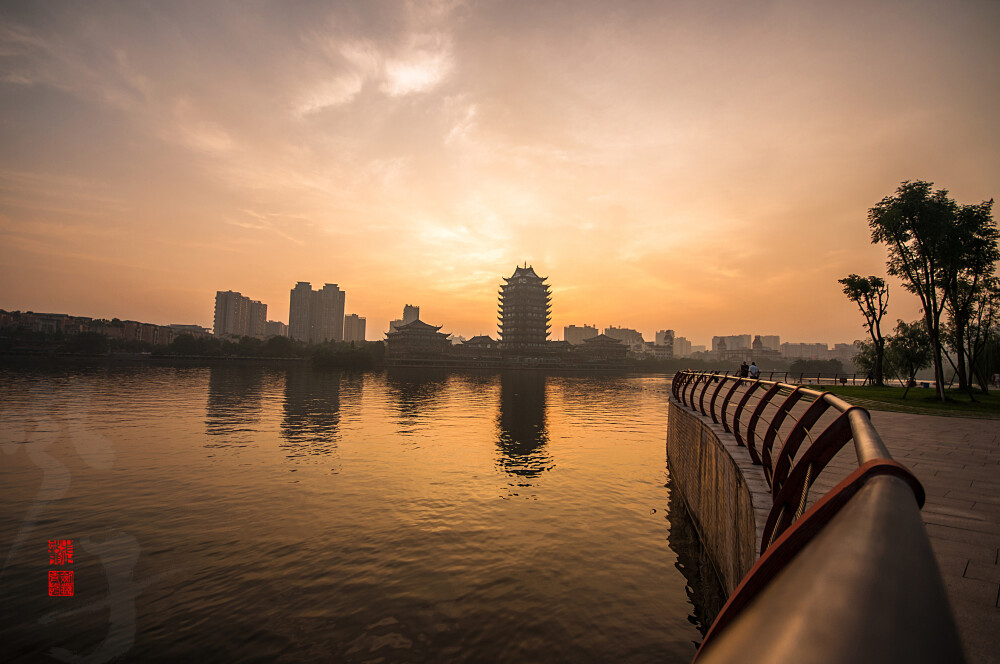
(624, 334)
(575, 334)
(804, 351)
(275, 328)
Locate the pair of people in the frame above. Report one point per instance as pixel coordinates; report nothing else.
(751, 371)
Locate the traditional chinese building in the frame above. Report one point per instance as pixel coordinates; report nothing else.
(524, 311)
(416, 341)
(604, 348)
(481, 341)
(478, 351)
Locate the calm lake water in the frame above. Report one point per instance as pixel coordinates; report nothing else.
(246, 513)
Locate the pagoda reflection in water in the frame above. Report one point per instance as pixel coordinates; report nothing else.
(522, 436)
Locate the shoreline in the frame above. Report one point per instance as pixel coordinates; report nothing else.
(139, 359)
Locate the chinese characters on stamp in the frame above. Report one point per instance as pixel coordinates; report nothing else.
(61, 583)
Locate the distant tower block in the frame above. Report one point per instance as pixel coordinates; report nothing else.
(410, 313)
(524, 310)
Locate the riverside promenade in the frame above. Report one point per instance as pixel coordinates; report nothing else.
(957, 460)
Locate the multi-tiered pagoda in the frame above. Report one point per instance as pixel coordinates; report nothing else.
(524, 311)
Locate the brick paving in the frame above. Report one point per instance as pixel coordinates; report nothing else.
(958, 462)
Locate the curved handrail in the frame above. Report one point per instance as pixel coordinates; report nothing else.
(795, 538)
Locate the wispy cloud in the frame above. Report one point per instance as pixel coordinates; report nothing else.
(656, 158)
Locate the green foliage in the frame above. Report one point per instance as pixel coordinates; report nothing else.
(23, 339)
(871, 294)
(129, 346)
(280, 347)
(864, 359)
(249, 347)
(88, 343)
(909, 350)
(334, 355)
(943, 253)
(187, 344)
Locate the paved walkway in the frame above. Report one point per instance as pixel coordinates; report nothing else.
(958, 462)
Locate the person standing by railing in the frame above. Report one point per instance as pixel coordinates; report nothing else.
(754, 371)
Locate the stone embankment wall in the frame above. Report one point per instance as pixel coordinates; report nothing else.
(725, 492)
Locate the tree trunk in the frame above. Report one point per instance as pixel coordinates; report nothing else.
(879, 354)
(934, 332)
(963, 378)
(981, 379)
(938, 372)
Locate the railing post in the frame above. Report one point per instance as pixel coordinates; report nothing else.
(701, 400)
(755, 417)
(715, 395)
(772, 431)
(692, 386)
(725, 404)
(794, 440)
(752, 387)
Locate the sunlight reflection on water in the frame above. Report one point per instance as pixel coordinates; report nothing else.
(296, 515)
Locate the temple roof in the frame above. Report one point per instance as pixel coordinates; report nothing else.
(480, 339)
(602, 339)
(526, 271)
(418, 325)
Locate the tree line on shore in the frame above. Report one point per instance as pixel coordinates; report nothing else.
(946, 254)
(353, 355)
(331, 354)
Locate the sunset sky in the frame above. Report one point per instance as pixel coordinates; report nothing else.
(701, 166)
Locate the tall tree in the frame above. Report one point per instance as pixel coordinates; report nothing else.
(967, 276)
(982, 333)
(917, 226)
(909, 350)
(871, 294)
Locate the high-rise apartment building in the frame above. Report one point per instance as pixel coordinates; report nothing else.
(328, 314)
(299, 311)
(230, 313)
(575, 334)
(410, 313)
(257, 319)
(682, 347)
(524, 309)
(316, 315)
(238, 316)
(354, 328)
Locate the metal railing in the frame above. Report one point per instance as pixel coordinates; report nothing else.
(829, 566)
(818, 378)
